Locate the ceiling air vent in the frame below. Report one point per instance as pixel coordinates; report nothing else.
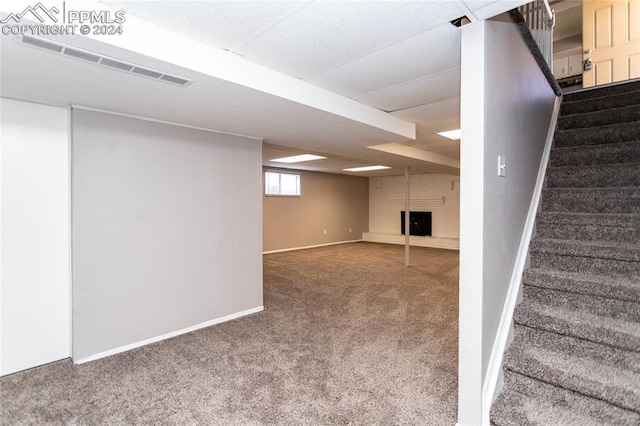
(148, 73)
(172, 79)
(81, 55)
(106, 61)
(42, 44)
(116, 64)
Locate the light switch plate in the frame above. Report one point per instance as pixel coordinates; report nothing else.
(502, 166)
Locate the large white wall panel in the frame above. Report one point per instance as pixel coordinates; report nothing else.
(167, 230)
(35, 288)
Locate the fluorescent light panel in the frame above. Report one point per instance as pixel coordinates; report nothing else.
(366, 168)
(452, 134)
(298, 158)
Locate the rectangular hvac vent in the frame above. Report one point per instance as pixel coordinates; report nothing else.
(147, 72)
(176, 80)
(41, 43)
(81, 55)
(116, 64)
(106, 61)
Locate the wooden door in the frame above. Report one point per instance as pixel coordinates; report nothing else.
(611, 39)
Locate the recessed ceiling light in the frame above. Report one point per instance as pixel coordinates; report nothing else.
(366, 168)
(298, 158)
(452, 134)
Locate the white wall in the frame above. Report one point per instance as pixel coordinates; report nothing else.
(437, 193)
(35, 290)
(167, 231)
(506, 110)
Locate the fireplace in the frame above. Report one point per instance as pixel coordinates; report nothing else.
(419, 223)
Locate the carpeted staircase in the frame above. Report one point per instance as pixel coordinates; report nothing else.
(575, 357)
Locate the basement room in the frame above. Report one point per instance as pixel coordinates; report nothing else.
(302, 212)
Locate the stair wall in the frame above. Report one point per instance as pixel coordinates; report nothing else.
(498, 73)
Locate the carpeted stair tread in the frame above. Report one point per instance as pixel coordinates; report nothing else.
(607, 219)
(528, 401)
(628, 252)
(586, 284)
(582, 106)
(592, 200)
(613, 153)
(602, 306)
(605, 330)
(605, 175)
(578, 365)
(594, 257)
(622, 228)
(600, 118)
(624, 132)
(603, 91)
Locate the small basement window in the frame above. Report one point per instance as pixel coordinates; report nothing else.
(282, 183)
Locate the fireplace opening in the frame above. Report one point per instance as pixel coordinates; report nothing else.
(419, 223)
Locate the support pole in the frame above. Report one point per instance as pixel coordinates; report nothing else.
(407, 222)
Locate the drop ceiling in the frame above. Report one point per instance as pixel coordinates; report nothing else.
(321, 77)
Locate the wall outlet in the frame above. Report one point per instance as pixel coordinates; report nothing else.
(349, 230)
(324, 232)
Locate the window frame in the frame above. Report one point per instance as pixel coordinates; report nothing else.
(280, 173)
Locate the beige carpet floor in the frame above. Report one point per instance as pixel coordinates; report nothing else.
(349, 336)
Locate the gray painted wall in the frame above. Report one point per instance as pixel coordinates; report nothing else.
(328, 202)
(506, 109)
(520, 138)
(166, 226)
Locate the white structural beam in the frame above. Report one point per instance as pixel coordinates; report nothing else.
(417, 154)
(218, 63)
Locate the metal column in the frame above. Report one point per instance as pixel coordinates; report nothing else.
(407, 227)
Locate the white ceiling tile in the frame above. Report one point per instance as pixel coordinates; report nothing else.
(325, 34)
(219, 23)
(441, 124)
(427, 53)
(451, 149)
(484, 9)
(447, 109)
(429, 141)
(422, 91)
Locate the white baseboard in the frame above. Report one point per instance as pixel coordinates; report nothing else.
(169, 335)
(490, 389)
(432, 242)
(309, 247)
